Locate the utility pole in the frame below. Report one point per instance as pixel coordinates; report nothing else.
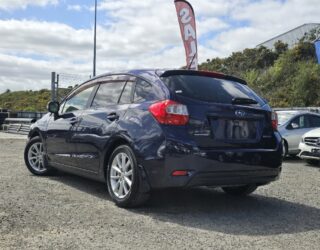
(54, 86)
(95, 39)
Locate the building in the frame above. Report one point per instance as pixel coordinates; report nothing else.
(291, 37)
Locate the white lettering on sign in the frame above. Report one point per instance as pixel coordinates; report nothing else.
(189, 32)
(193, 48)
(185, 15)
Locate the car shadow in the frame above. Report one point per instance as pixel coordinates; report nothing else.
(85, 185)
(312, 165)
(291, 158)
(211, 209)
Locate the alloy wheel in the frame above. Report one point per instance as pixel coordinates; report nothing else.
(121, 175)
(36, 157)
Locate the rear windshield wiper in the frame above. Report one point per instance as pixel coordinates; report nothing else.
(239, 100)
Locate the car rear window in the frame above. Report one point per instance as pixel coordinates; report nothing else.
(209, 89)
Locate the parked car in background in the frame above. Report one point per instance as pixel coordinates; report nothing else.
(292, 125)
(310, 147)
(151, 129)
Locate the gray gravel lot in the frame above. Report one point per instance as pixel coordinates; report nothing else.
(69, 212)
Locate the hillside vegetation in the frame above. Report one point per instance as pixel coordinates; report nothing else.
(285, 77)
(27, 100)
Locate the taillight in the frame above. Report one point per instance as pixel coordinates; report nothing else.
(170, 112)
(180, 173)
(274, 121)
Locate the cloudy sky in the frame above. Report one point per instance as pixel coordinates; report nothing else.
(40, 36)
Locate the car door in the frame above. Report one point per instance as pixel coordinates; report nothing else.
(100, 121)
(60, 138)
(314, 121)
(295, 129)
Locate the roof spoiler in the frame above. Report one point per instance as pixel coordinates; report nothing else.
(202, 73)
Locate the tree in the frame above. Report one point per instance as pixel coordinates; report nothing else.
(285, 77)
(280, 47)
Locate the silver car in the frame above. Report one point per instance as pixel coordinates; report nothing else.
(310, 147)
(292, 125)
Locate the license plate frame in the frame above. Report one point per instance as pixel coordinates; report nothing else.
(236, 130)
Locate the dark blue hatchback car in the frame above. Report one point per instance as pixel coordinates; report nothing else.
(152, 129)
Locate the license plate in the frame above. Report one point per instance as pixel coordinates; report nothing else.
(235, 129)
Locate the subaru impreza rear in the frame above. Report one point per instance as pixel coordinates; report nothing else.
(217, 132)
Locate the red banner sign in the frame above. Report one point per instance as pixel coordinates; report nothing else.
(187, 24)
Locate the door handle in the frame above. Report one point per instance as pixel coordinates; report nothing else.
(74, 120)
(113, 117)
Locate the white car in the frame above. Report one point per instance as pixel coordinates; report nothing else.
(310, 147)
(292, 125)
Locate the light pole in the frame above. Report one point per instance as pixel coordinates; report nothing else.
(95, 39)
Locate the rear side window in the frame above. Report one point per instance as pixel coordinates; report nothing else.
(108, 93)
(144, 92)
(126, 94)
(209, 89)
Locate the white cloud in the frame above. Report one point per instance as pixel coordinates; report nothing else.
(137, 34)
(264, 19)
(44, 38)
(22, 4)
(75, 7)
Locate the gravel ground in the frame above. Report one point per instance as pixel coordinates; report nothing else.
(69, 212)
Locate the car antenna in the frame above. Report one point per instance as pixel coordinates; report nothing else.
(194, 56)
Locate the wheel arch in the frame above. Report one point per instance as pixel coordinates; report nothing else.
(112, 145)
(35, 132)
(117, 141)
(286, 146)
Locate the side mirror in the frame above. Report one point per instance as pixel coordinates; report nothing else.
(53, 107)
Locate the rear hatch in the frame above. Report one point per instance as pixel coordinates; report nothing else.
(223, 111)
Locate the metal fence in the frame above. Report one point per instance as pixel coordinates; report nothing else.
(18, 122)
(4, 114)
(64, 81)
(32, 115)
(18, 125)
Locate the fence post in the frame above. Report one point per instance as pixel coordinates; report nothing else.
(53, 86)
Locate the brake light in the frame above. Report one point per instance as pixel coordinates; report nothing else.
(170, 112)
(274, 121)
(180, 173)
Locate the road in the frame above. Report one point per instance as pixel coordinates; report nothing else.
(69, 212)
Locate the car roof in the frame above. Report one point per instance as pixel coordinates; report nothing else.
(297, 112)
(153, 74)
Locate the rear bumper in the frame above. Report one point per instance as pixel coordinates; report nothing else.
(214, 167)
(259, 177)
(306, 152)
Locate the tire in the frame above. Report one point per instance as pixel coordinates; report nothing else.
(284, 149)
(35, 158)
(240, 190)
(124, 178)
(313, 162)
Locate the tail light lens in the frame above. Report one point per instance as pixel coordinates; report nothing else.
(274, 121)
(180, 173)
(170, 112)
